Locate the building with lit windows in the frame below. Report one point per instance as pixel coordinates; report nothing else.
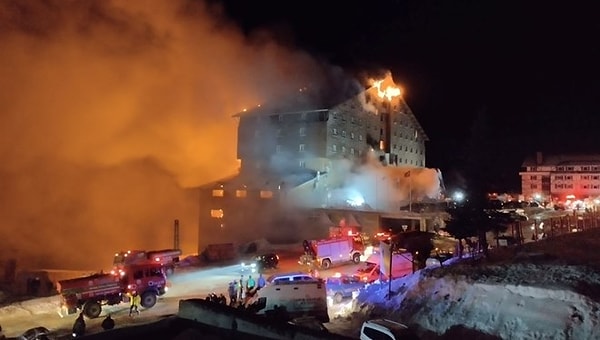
(287, 149)
(561, 177)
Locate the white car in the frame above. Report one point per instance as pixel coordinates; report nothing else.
(384, 329)
(290, 277)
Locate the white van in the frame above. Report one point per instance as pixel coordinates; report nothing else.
(384, 329)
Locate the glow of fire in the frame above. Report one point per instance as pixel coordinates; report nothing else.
(388, 92)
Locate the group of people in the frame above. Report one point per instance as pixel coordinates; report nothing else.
(108, 323)
(240, 290)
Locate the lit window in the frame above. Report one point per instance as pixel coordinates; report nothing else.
(334, 148)
(381, 145)
(352, 151)
(241, 193)
(218, 192)
(334, 131)
(216, 213)
(301, 147)
(266, 194)
(302, 164)
(302, 131)
(343, 149)
(352, 135)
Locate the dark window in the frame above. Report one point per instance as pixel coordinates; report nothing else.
(138, 274)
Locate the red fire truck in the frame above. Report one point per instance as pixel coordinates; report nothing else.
(89, 293)
(167, 258)
(331, 251)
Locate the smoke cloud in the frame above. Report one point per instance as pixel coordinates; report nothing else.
(110, 111)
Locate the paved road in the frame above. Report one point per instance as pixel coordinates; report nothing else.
(187, 283)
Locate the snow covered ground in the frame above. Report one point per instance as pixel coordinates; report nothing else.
(548, 289)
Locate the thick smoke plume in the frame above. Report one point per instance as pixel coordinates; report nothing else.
(110, 111)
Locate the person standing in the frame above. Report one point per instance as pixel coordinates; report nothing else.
(241, 289)
(108, 323)
(79, 326)
(261, 281)
(232, 290)
(250, 285)
(134, 303)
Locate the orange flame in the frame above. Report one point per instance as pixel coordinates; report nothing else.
(386, 88)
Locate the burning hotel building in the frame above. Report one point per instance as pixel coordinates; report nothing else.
(311, 154)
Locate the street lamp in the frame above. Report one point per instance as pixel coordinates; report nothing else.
(458, 196)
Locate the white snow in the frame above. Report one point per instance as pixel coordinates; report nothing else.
(542, 290)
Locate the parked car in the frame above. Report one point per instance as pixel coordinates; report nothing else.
(343, 286)
(379, 329)
(261, 262)
(290, 277)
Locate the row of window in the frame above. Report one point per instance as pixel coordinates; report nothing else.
(570, 186)
(242, 193)
(570, 177)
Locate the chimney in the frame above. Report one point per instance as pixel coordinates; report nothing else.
(539, 158)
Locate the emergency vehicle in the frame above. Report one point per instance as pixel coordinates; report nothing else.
(332, 251)
(305, 296)
(168, 259)
(89, 293)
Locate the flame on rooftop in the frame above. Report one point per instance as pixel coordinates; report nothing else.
(386, 88)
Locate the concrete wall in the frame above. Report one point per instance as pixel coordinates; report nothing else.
(229, 318)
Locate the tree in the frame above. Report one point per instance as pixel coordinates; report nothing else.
(463, 223)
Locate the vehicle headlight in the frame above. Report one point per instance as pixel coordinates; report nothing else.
(253, 265)
(243, 264)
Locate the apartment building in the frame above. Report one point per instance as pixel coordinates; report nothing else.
(308, 134)
(561, 177)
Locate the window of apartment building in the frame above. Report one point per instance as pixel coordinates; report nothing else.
(560, 168)
(216, 213)
(586, 186)
(352, 151)
(266, 194)
(343, 118)
(568, 186)
(585, 177)
(569, 177)
(585, 168)
(351, 135)
(395, 146)
(360, 138)
(595, 186)
(333, 148)
(558, 177)
(352, 119)
(534, 186)
(301, 147)
(595, 168)
(343, 133)
(558, 186)
(334, 131)
(411, 150)
(302, 164)
(343, 149)
(570, 168)
(218, 192)
(381, 118)
(302, 131)
(278, 148)
(595, 178)
(334, 114)
(280, 118)
(533, 178)
(241, 193)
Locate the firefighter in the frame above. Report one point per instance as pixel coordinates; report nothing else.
(134, 303)
(79, 326)
(108, 323)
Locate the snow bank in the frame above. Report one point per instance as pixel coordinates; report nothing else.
(504, 310)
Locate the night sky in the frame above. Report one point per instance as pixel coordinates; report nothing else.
(529, 71)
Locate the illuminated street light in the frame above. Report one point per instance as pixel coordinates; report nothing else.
(458, 196)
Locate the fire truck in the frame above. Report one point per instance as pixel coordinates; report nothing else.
(332, 251)
(168, 259)
(89, 293)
